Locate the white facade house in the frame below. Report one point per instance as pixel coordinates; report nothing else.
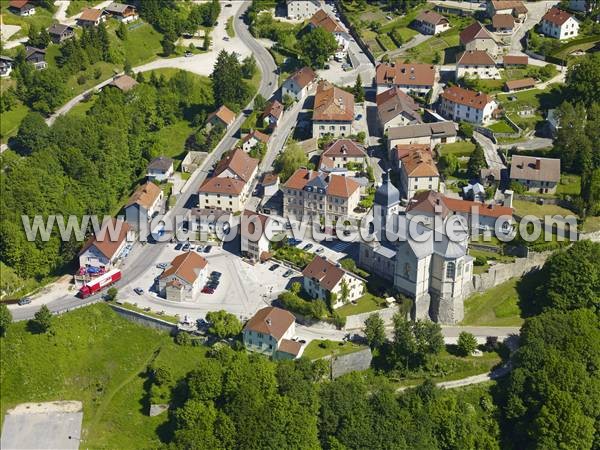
(417, 168)
(160, 169)
(144, 204)
(416, 79)
(183, 279)
(327, 281)
(342, 37)
(103, 250)
(302, 9)
(299, 84)
(430, 22)
(431, 134)
(476, 64)
(559, 24)
(461, 104)
(270, 332)
(6, 65)
(333, 111)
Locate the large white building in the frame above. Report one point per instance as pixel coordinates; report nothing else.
(477, 37)
(302, 9)
(416, 79)
(559, 24)
(183, 279)
(333, 111)
(299, 84)
(103, 250)
(461, 104)
(417, 168)
(476, 64)
(432, 269)
(430, 22)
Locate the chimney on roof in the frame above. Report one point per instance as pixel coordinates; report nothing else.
(538, 164)
(268, 321)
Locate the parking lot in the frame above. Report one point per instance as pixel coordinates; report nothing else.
(243, 288)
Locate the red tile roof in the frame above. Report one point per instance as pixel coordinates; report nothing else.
(238, 162)
(303, 77)
(327, 274)
(18, 4)
(222, 185)
(503, 21)
(187, 266)
(520, 84)
(274, 109)
(425, 202)
(258, 135)
(226, 115)
(431, 17)
(475, 58)
(419, 163)
(556, 16)
(333, 104)
(405, 74)
(345, 147)
(325, 21)
(340, 186)
(145, 195)
(103, 240)
(477, 100)
(515, 60)
(299, 178)
(474, 31)
(90, 14)
(289, 346)
(271, 321)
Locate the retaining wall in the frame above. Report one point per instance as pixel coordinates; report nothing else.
(358, 320)
(147, 321)
(343, 364)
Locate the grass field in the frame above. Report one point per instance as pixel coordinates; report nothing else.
(501, 127)
(170, 140)
(445, 45)
(99, 358)
(488, 256)
(460, 148)
(569, 185)
(10, 121)
(41, 19)
(229, 28)
(318, 349)
(495, 307)
(523, 208)
(366, 303)
(76, 6)
(591, 224)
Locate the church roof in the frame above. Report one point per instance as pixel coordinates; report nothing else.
(387, 194)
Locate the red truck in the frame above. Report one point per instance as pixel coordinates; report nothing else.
(96, 285)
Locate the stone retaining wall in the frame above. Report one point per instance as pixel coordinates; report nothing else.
(144, 320)
(343, 364)
(358, 320)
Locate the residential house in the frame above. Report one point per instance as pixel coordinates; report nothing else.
(230, 186)
(24, 8)
(312, 193)
(475, 192)
(416, 79)
(515, 8)
(122, 12)
(431, 134)
(124, 83)
(418, 171)
(299, 83)
(536, 174)
(396, 108)
(254, 241)
(343, 152)
(143, 204)
(270, 184)
(582, 5)
(302, 9)
(333, 111)
(6, 65)
(503, 23)
(476, 37)
(36, 56)
(160, 169)
(253, 139)
(209, 222)
(324, 280)
(272, 114)
(559, 24)
(223, 116)
(183, 279)
(430, 22)
(103, 250)
(91, 17)
(514, 61)
(476, 64)
(482, 216)
(461, 104)
(60, 33)
(519, 85)
(270, 332)
(323, 20)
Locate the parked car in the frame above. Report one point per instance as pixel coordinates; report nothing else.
(161, 266)
(288, 273)
(225, 38)
(274, 267)
(188, 54)
(216, 275)
(186, 247)
(358, 117)
(207, 290)
(293, 242)
(24, 301)
(228, 5)
(319, 250)
(138, 290)
(200, 249)
(308, 246)
(207, 249)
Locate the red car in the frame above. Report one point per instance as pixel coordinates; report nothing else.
(208, 290)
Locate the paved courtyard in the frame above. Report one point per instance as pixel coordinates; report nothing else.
(51, 425)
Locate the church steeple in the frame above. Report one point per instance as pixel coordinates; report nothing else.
(387, 200)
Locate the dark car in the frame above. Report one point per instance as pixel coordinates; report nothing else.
(207, 290)
(216, 275)
(138, 291)
(274, 267)
(288, 273)
(24, 301)
(178, 246)
(186, 247)
(308, 246)
(207, 249)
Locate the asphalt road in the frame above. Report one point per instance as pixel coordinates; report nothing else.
(141, 256)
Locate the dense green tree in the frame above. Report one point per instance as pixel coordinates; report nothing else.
(122, 32)
(374, 330)
(111, 294)
(42, 320)
(467, 343)
(476, 162)
(168, 46)
(33, 134)
(583, 79)
(223, 324)
(413, 342)
(5, 319)
(292, 158)
(358, 91)
(572, 142)
(249, 67)
(228, 86)
(448, 164)
(316, 46)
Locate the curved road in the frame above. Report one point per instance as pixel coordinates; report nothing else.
(143, 256)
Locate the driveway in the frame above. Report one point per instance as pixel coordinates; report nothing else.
(536, 11)
(491, 151)
(416, 40)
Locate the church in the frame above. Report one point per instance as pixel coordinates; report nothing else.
(422, 263)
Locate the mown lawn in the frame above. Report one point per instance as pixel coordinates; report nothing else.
(41, 19)
(229, 28)
(460, 148)
(366, 303)
(10, 121)
(99, 358)
(496, 307)
(170, 140)
(569, 184)
(523, 208)
(76, 6)
(320, 348)
(591, 224)
(501, 127)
